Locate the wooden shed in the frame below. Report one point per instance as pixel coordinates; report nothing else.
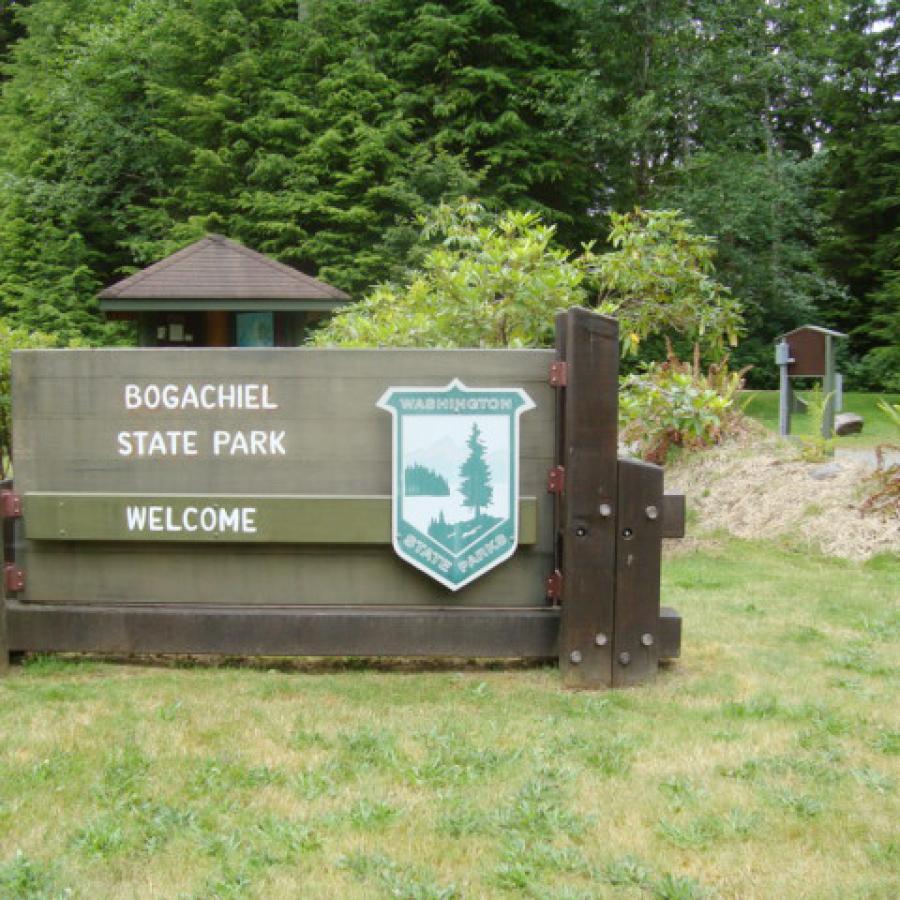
(218, 293)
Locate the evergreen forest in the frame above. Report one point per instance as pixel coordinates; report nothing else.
(321, 131)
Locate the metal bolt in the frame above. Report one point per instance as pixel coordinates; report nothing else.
(627, 533)
(575, 657)
(647, 639)
(600, 639)
(605, 510)
(624, 657)
(581, 531)
(652, 512)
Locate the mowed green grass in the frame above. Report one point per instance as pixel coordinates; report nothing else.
(877, 428)
(762, 764)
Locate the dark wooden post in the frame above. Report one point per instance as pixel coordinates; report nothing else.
(588, 522)
(638, 560)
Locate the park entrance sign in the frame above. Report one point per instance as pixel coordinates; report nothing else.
(305, 502)
(455, 495)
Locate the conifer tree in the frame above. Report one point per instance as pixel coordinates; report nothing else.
(476, 475)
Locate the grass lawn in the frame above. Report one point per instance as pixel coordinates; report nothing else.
(763, 764)
(877, 429)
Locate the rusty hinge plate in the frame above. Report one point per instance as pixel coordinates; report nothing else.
(555, 586)
(556, 480)
(559, 373)
(13, 578)
(10, 505)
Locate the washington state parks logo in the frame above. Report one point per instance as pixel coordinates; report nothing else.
(455, 477)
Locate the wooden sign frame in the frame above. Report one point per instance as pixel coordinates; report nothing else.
(602, 617)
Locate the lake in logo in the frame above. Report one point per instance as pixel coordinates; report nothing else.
(455, 477)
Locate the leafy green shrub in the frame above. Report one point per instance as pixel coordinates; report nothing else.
(677, 404)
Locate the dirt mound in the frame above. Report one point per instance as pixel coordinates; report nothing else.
(755, 487)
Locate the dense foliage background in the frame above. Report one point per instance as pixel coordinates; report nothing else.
(317, 131)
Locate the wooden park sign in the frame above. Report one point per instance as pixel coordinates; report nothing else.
(464, 503)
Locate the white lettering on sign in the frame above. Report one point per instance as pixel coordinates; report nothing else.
(204, 396)
(145, 443)
(157, 443)
(248, 443)
(207, 519)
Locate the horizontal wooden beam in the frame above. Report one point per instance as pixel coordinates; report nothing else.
(224, 518)
(290, 631)
(309, 631)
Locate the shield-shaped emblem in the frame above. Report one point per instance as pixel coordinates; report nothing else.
(455, 477)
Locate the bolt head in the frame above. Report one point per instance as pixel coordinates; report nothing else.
(575, 657)
(605, 510)
(647, 639)
(581, 531)
(624, 658)
(600, 639)
(652, 513)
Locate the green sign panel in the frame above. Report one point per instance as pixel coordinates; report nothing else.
(455, 477)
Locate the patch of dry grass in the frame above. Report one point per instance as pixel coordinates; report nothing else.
(758, 488)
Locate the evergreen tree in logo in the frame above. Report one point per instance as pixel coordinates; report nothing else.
(476, 475)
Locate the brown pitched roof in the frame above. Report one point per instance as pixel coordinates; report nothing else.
(216, 268)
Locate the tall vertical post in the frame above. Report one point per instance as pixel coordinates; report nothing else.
(590, 438)
(783, 360)
(828, 389)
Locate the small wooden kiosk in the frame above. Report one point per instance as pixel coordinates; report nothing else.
(218, 293)
(805, 352)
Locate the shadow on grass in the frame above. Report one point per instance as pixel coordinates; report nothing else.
(55, 663)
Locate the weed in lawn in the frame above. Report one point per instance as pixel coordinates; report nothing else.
(802, 804)
(322, 781)
(628, 872)
(858, 657)
(452, 759)
(677, 887)
(304, 738)
(538, 809)
(368, 749)
(396, 880)
(874, 780)
(219, 776)
(697, 833)
(102, 838)
(681, 792)
(22, 878)
(461, 820)
(887, 741)
(369, 815)
(763, 706)
(524, 863)
(169, 712)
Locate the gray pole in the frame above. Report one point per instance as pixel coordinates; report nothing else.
(828, 389)
(783, 359)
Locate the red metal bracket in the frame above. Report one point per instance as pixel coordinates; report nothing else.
(13, 578)
(10, 505)
(556, 480)
(555, 586)
(559, 373)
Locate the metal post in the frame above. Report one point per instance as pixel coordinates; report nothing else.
(828, 388)
(783, 360)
